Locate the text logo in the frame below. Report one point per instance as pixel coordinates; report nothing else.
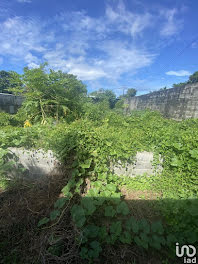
(186, 251)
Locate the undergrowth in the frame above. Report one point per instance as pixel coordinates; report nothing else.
(101, 213)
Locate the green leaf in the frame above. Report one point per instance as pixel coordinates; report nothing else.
(102, 233)
(86, 164)
(60, 202)
(91, 231)
(157, 227)
(122, 208)
(106, 194)
(93, 192)
(194, 153)
(111, 187)
(140, 242)
(125, 237)
(78, 215)
(132, 224)
(95, 249)
(54, 214)
(116, 228)
(144, 225)
(84, 253)
(109, 211)
(75, 173)
(156, 241)
(88, 205)
(43, 221)
(175, 162)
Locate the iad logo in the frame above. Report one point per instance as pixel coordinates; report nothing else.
(188, 250)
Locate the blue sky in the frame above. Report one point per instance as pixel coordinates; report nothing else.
(108, 44)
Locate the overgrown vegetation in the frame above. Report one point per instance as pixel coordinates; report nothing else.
(106, 214)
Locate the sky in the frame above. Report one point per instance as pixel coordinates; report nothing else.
(109, 44)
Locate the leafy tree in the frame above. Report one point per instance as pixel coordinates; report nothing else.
(5, 81)
(49, 93)
(193, 78)
(102, 95)
(176, 85)
(131, 92)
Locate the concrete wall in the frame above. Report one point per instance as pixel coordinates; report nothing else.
(176, 103)
(10, 103)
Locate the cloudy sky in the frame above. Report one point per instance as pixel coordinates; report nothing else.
(108, 44)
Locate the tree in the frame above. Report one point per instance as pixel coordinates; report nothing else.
(102, 95)
(179, 85)
(7, 81)
(4, 81)
(193, 78)
(131, 92)
(49, 93)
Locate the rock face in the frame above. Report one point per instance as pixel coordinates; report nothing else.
(32, 163)
(177, 103)
(142, 165)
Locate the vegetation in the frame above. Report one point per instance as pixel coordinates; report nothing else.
(192, 79)
(105, 95)
(6, 81)
(94, 215)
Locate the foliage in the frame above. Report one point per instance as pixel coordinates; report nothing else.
(105, 95)
(193, 78)
(179, 85)
(131, 92)
(49, 93)
(101, 214)
(6, 81)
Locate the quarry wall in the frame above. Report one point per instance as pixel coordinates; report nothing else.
(177, 103)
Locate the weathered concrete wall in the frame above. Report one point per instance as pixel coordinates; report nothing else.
(32, 164)
(10, 103)
(142, 165)
(176, 103)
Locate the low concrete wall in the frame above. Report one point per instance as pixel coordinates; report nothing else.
(10, 103)
(32, 164)
(177, 103)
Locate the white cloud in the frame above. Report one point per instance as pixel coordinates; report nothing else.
(19, 38)
(172, 25)
(91, 48)
(33, 65)
(121, 58)
(85, 72)
(127, 22)
(179, 73)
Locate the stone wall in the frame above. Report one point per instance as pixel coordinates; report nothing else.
(10, 103)
(177, 103)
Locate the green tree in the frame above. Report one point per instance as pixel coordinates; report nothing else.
(49, 93)
(176, 85)
(105, 95)
(193, 78)
(131, 92)
(4, 81)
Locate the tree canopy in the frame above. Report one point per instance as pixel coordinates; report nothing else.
(5, 81)
(102, 95)
(193, 78)
(49, 93)
(131, 92)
